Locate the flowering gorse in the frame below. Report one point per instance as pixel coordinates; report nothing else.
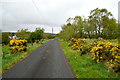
(18, 45)
(76, 43)
(100, 51)
(115, 57)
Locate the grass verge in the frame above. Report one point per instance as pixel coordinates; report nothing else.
(0, 58)
(10, 59)
(83, 66)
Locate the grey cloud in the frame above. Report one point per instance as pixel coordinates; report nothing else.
(19, 14)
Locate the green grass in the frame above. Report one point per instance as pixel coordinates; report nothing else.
(10, 59)
(61, 40)
(0, 49)
(6, 49)
(113, 40)
(0, 58)
(83, 66)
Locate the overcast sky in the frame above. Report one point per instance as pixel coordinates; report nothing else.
(22, 14)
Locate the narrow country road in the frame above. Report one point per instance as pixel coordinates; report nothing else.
(47, 61)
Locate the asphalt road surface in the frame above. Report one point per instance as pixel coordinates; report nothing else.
(47, 61)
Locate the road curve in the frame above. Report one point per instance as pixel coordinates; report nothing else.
(47, 61)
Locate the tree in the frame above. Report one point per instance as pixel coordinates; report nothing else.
(119, 32)
(98, 17)
(100, 23)
(5, 38)
(68, 31)
(22, 34)
(0, 36)
(32, 37)
(77, 21)
(88, 29)
(110, 31)
(73, 28)
(38, 34)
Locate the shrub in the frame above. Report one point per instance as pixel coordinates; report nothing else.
(114, 60)
(100, 50)
(18, 45)
(109, 52)
(76, 43)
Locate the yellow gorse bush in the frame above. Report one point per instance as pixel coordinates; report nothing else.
(100, 51)
(96, 48)
(18, 45)
(77, 43)
(108, 45)
(100, 43)
(107, 51)
(115, 57)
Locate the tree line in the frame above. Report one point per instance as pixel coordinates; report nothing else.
(31, 37)
(99, 24)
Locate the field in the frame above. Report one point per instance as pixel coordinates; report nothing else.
(83, 66)
(10, 59)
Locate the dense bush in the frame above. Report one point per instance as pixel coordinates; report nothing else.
(114, 59)
(100, 50)
(38, 34)
(76, 43)
(5, 38)
(18, 45)
(79, 44)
